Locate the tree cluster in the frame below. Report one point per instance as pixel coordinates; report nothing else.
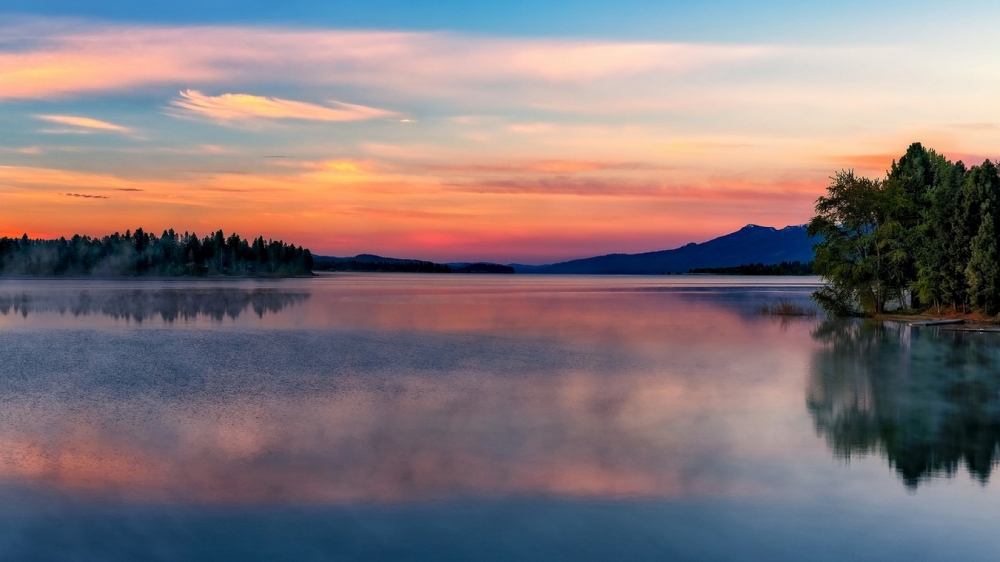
(923, 236)
(141, 253)
(783, 268)
(484, 267)
(395, 266)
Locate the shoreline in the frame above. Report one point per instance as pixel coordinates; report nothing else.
(968, 322)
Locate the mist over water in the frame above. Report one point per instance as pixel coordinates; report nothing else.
(449, 417)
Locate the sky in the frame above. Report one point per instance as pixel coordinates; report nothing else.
(465, 131)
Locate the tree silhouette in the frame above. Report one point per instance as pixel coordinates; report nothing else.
(141, 253)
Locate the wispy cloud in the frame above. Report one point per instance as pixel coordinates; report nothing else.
(531, 128)
(85, 196)
(244, 107)
(26, 150)
(60, 62)
(717, 192)
(535, 166)
(84, 123)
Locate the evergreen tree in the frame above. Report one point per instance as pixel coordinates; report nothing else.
(142, 253)
(983, 271)
(979, 198)
(914, 176)
(943, 247)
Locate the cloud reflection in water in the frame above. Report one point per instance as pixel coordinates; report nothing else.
(631, 398)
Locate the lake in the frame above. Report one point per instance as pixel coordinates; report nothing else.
(450, 417)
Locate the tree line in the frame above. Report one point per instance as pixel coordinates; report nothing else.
(924, 236)
(783, 268)
(142, 253)
(390, 265)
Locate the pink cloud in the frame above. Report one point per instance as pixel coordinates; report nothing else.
(60, 61)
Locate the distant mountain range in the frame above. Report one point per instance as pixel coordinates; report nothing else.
(750, 244)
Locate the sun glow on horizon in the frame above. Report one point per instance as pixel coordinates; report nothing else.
(455, 146)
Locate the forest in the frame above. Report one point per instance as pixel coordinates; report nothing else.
(783, 268)
(142, 253)
(924, 237)
(376, 263)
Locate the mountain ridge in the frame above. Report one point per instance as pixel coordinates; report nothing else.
(751, 244)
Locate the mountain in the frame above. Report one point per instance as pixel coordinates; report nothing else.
(750, 244)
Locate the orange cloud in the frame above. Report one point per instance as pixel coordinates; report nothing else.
(86, 196)
(532, 128)
(236, 107)
(568, 166)
(84, 123)
(535, 166)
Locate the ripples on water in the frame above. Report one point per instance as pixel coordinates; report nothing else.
(450, 417)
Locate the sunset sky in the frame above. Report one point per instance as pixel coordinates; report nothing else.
(458, 131)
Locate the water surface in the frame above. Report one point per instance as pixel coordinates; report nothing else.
(437, 417)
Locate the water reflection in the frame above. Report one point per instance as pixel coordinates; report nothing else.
(926, 399)
(145, 304)
(383, 398)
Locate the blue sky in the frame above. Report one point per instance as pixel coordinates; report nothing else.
(727, 20)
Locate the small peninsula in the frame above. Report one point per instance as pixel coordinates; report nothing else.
(144, 254)
(923, 239)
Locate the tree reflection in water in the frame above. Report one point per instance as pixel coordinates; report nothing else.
(145, 304)
(927, 399)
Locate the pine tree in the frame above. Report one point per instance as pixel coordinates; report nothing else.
(983, 271)
(943, 248)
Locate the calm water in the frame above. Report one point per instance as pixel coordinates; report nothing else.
(397, 417)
